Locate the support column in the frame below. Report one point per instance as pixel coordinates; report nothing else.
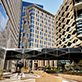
(32, 64)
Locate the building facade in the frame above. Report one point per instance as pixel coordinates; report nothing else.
(68, 25)
(9, 32)
(38, 32)
(25, 4)
(13, 11)
(67, 29)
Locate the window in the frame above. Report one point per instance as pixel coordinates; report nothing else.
(31, 44)
(35, 40)
(45, 30)
(46, 23)
(27, 35)
(40, 41)
(31, 17)
(36, 15)
(37, 36)
(41, 37)
(68, 28)
(45, 15)
(49, 32)
(40, 24)
(41, 17)
(68, 36)
(32, 14)
(52, 29)
(45, 27)
(31, 30)
(41, 29)
(35, 31)
(31, 39)
(53, 33)
(21, 43)
(49, 24)
(45, 34)
(64, 39)
(31, 26)
(38, 12)
(48, 20)
(52, 40)
(49, 17)
(44, 18)
(41, 46)
(37, 27)
(37, 45)
(37, 19)
(53, 26)
(32, 22)
(49, 39)
(63, 32)
(42, 14)
(24, 22)
(31, 35)
(45, 42)
(48, 43)
(45, 38)
(31, 10)
(53, 19)
(48, 35)
(41, 21)
(23, 34)
(48, 27)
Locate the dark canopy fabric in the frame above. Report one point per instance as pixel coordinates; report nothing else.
(44, 53)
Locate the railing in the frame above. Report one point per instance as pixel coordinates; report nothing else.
(78, 1)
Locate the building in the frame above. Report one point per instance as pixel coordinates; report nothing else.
(68, 25)
(37, 32)
(25, 4)
(9, 33)
(13, 11)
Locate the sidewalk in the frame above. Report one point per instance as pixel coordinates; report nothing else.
(17, 78)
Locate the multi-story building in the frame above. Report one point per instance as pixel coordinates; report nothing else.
(9, 34)
(37, 31)
(13, 11)
(25, 4)
(68, 25)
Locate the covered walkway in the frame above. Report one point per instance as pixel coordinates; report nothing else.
(41, 53)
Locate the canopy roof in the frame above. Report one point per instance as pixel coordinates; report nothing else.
(43, 53)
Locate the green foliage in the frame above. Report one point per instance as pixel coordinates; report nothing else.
(1, 74)
(54, 68)
(29, 70)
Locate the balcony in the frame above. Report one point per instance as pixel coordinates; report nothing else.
(78, 4)
(78, 1)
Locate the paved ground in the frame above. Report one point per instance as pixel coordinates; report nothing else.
(17, 78)
(66, 80)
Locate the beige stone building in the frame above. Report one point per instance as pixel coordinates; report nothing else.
(68, 26)
(68, 23)
(38, 32)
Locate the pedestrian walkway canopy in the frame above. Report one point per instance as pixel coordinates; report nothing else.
(42, 53)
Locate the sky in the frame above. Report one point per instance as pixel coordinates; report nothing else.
(3, 18)
(51, 6)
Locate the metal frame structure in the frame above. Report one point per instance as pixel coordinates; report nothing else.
(43, 53)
